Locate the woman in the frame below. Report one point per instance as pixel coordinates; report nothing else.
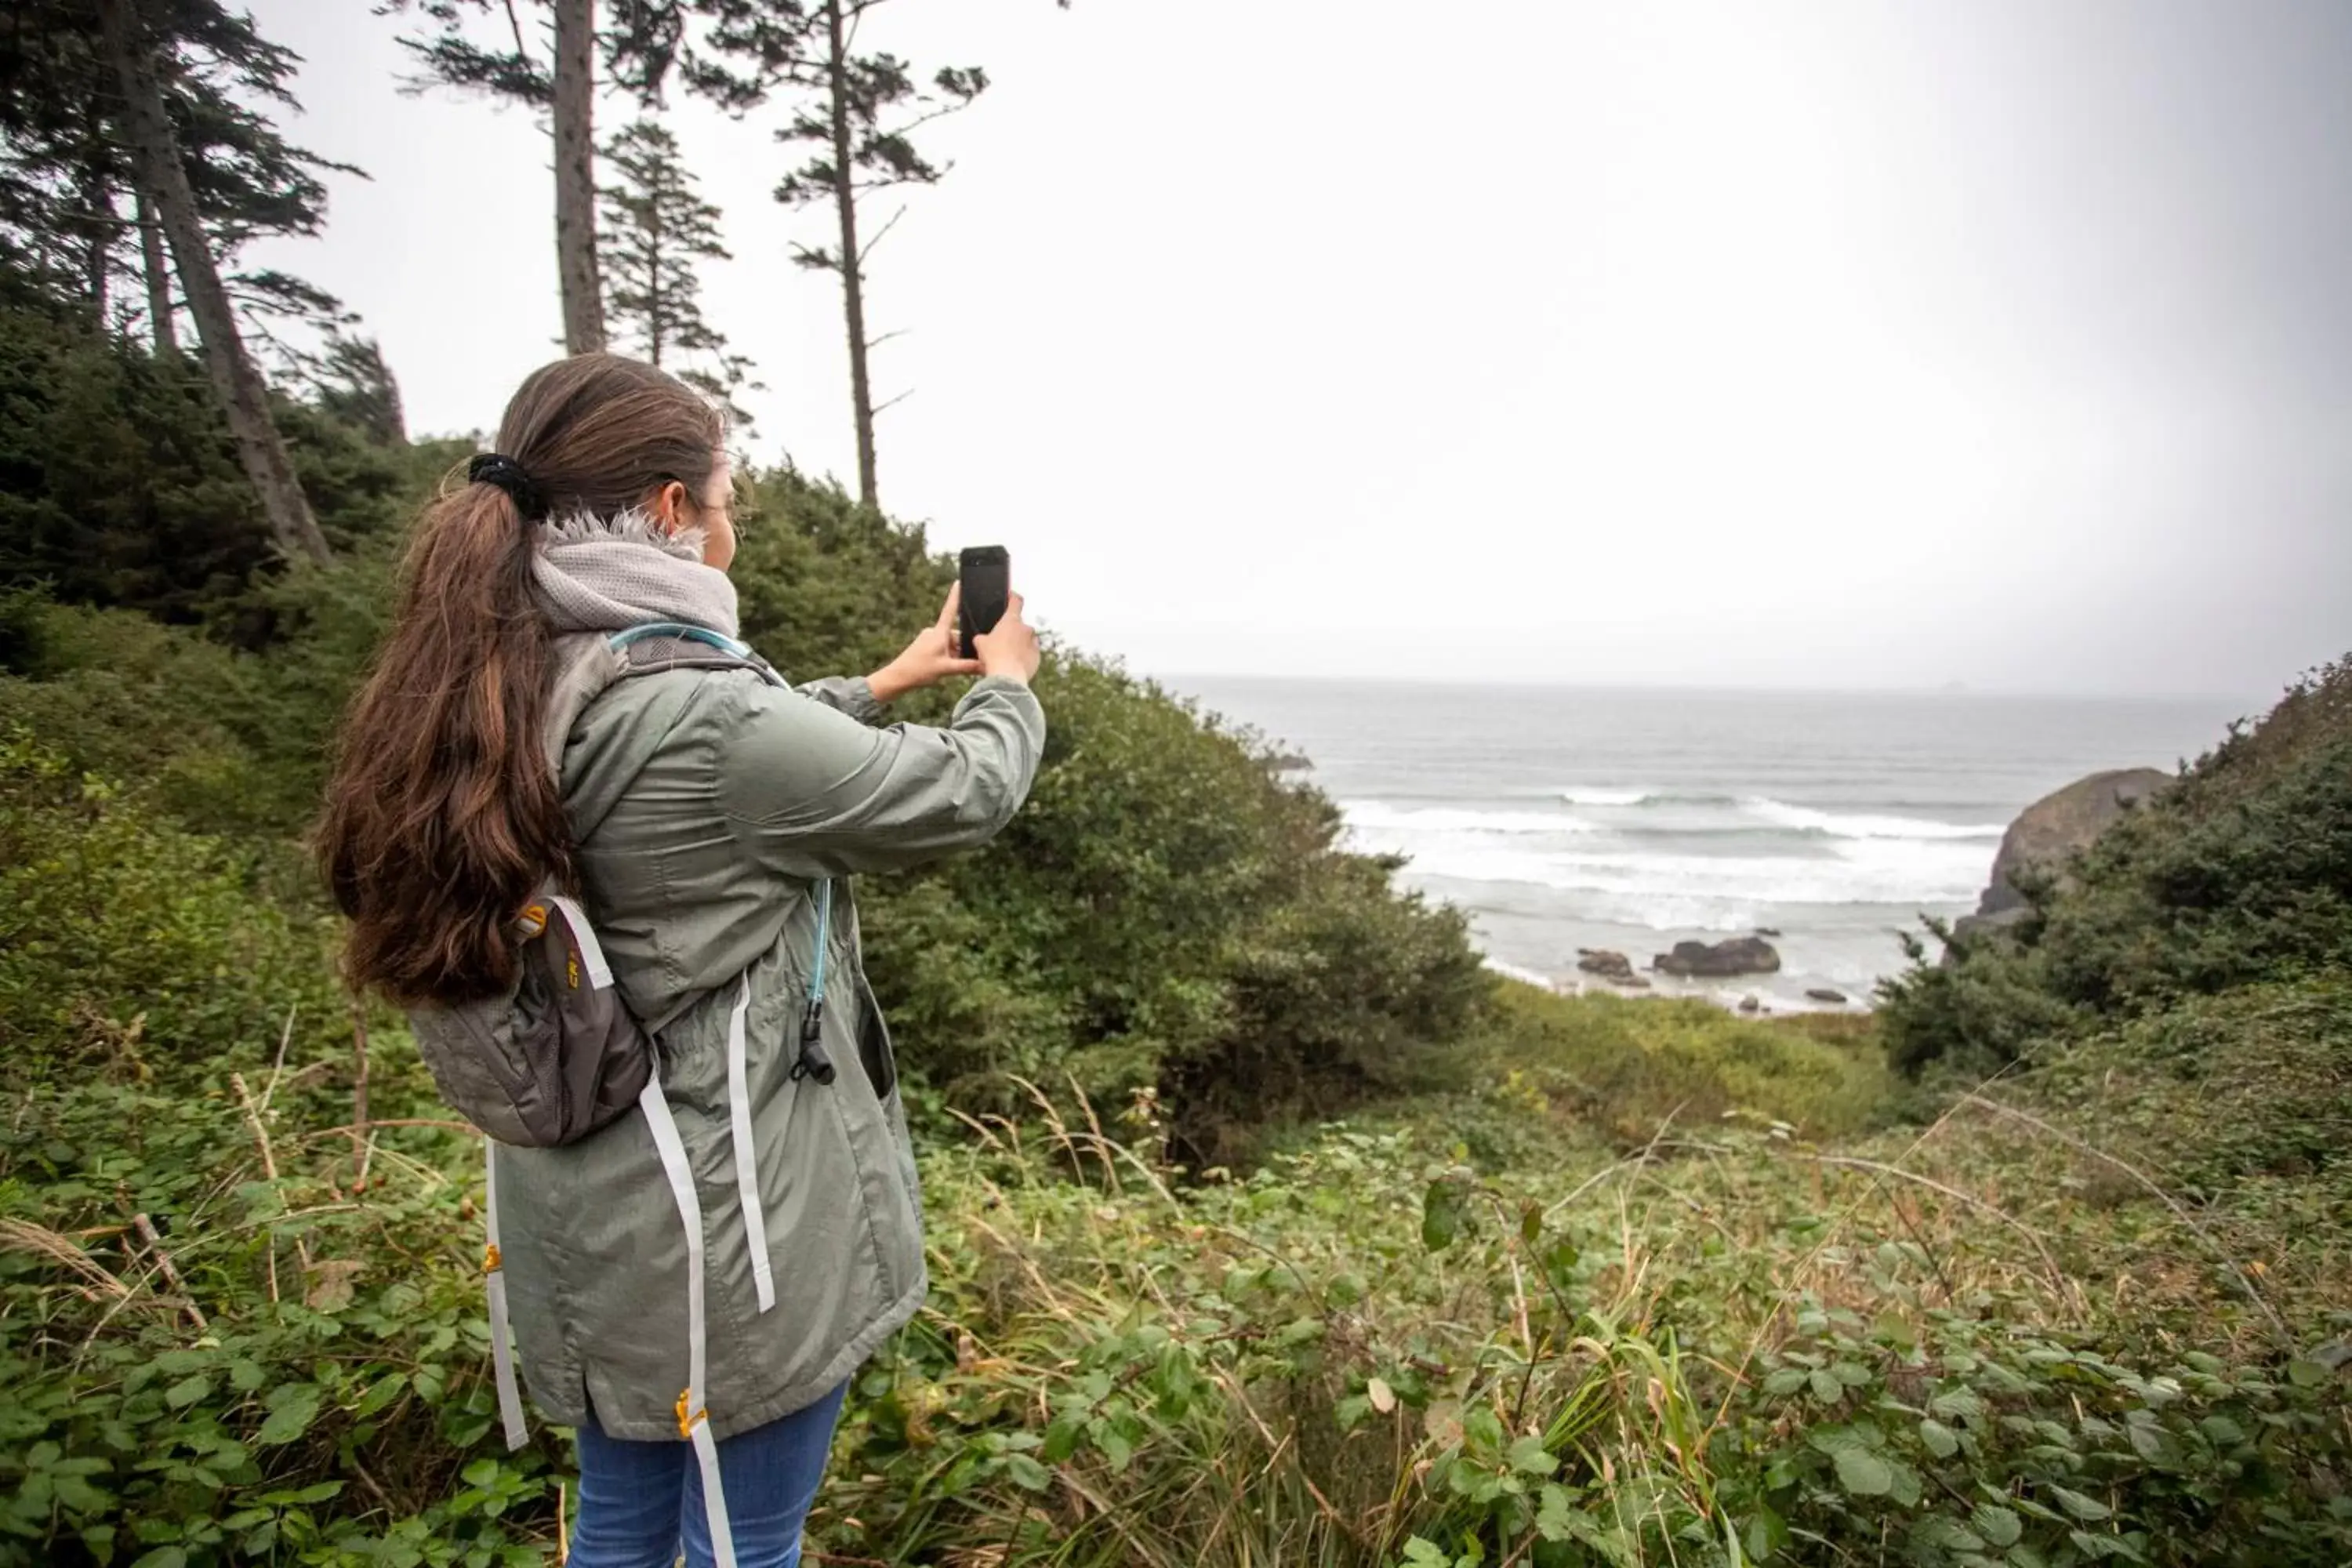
(702, 813)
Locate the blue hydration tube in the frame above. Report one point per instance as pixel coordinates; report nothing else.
(814, 1062)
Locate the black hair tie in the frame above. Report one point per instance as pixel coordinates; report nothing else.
(489, 469)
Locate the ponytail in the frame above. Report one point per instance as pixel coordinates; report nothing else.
(443, 816)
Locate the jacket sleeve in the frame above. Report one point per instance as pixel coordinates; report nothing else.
(844, 694)
(811, 791)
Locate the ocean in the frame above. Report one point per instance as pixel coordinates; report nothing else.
(1560, 818)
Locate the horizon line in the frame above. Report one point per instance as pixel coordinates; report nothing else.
(1955, 690)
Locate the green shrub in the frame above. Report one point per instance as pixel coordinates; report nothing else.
(128, 941)
(1962, 1441)
(118, 484)
(193, 723)
(2241, 873)
(2217, 1091)
(1623, 1066)
(1164, 913)
(332, 1406)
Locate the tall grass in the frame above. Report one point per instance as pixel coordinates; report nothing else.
(1728, 1345)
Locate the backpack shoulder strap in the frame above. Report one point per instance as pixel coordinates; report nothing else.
(588, 666)
(659, 646)
(679, 631)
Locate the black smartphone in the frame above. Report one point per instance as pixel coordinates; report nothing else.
(986, 574)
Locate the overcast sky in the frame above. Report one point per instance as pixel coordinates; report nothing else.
(1801, 344)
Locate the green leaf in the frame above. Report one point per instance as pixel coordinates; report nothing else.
(1998, 1525)
(1530, 1221)
(2078, 1505)
(380, 1393)
(1552, 1514)
(1420, 1553)
(2221, 1431)
(1957, 1405)
(188, 1391)
(1863, 1473)
(2306, 1374)
(1785, 1381)
(1827, 1388)
(1027, 1472)
(1483, 1430)
(1444, 1209)
(1940, 1439)
(1559, 1260)
(1062, 1436)
(1528, 1456)
(2150, 1443)
(292, 1408)
(162, 1557)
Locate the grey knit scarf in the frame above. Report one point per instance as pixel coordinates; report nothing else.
(605, 574)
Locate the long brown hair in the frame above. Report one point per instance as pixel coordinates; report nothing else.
(443, 816)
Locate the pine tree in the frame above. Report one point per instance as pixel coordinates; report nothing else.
(349, 380)
(556, 72)
(656, 231)
(72, 209)
(640, 45)
(858, 112)
(135, 95)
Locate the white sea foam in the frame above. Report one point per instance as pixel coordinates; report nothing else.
(1927, 878)
(1376, 817)
(1512, 970)
(1840, 824)
(1633, 868)
(1606, 796)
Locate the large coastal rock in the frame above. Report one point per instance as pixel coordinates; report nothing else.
(1609, 966)
(1612, 966)
(1715, 961)
(2058, 826)
(2049, 831)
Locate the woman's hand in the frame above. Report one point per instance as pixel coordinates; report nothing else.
(930, 659)
(1010, 649)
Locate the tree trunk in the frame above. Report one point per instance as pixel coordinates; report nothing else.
(160, 326)
(245, 400)
(98, 262)
(656, 321)
(853, 279)
(98, 207)
(575, 176)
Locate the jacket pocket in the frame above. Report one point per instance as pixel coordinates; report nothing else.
(873, 1052)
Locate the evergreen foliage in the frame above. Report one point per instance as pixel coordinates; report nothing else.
(68, 228)
(656, 232)
(118, 484)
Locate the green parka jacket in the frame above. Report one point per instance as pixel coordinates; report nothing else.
(708, 806)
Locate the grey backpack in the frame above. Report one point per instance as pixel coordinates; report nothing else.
(557, 1056)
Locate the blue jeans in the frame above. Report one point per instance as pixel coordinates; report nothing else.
(636, 1499)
